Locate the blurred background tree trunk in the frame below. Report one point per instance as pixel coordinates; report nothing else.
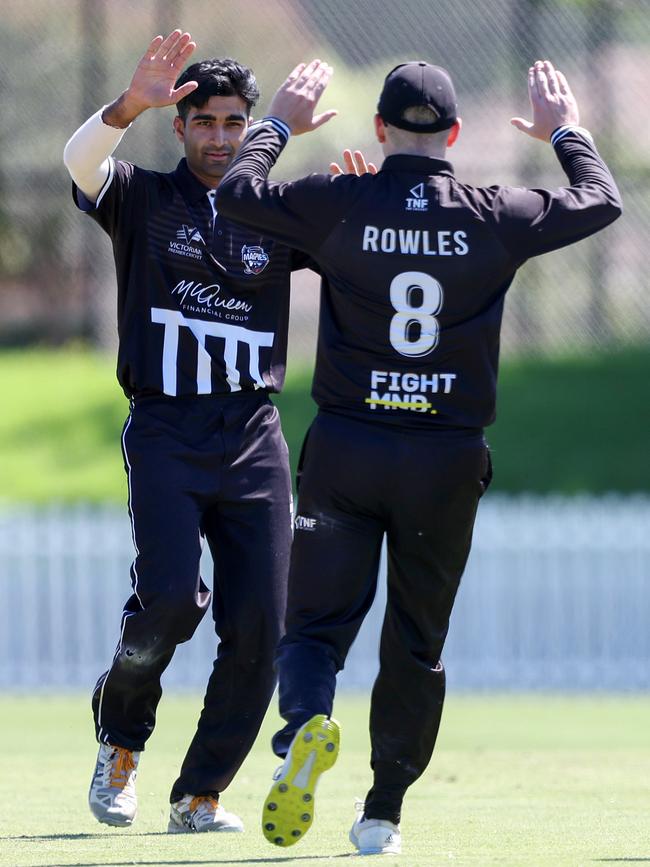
(96, 264)
(602, 35)
(524, 306)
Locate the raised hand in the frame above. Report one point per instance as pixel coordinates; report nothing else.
(296, 99)
(152, 85)
(552, 102)
(354, 164)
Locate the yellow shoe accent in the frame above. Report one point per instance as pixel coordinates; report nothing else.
(289, 807)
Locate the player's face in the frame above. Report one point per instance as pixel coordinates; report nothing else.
(211, 136)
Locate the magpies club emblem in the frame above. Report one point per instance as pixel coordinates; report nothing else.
(255, 259)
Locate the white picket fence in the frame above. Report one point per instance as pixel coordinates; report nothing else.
(556, 596)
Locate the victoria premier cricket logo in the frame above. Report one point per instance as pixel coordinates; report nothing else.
(186, 239)
(255, 259)
(189, 234)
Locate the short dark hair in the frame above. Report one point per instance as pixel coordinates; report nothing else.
(217, 77)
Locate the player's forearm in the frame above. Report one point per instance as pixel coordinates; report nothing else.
(533, 222)
(300, 213)
(239, 195)
(586, 170)
(86, 155)
(123, 111)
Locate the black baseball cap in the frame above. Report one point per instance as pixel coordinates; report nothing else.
(418, 83)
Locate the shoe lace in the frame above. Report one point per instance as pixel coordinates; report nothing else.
(208, 801)
(120, 767)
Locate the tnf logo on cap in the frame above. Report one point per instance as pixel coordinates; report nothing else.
(255, 259)
(417, 201)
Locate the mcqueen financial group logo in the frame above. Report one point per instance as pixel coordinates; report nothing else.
(255, 259)
(186, 236)
(196, 297)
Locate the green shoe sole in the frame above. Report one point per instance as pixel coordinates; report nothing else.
(289, 806)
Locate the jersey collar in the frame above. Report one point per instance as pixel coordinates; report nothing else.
(419, 165)
(190, 186)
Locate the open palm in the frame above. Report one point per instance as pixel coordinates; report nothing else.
(152, 85)
(551, 100)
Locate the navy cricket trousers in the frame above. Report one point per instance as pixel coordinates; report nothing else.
(213, 468)
(360, 481)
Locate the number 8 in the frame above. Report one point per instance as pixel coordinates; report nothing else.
(401, 294)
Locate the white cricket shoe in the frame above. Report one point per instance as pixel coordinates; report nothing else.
(202, 813)
(112, 798)
(375, 836)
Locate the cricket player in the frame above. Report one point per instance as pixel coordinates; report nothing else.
(202, 318)
(415, 266)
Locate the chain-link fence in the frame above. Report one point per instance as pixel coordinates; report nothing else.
(60, 61)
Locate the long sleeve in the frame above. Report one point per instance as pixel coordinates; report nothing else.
(302, 213)
(87, 156)
(530, 222)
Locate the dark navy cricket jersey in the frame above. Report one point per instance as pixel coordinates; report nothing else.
(415, 268)
(203, 303)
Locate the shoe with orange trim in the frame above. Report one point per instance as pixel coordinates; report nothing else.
(201, 813)
(112, 798)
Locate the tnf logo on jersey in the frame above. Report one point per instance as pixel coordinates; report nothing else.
(302, 523)
(417, 200)
(255, 259)
(189, 234)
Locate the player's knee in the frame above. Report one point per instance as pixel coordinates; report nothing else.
(264, 627)
(258, 655)
(184, 613)
(138, 654)
(255, 650)
(178, 613)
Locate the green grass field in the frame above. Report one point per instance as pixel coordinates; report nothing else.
(518, 780)
(564, 425)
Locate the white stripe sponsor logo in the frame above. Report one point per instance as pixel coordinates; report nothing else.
(232, 336)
